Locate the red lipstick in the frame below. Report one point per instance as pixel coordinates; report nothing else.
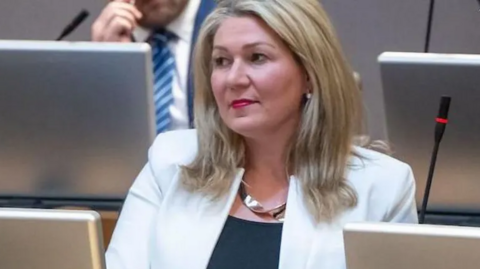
(239, 103)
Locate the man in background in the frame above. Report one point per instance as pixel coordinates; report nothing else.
(171, 28)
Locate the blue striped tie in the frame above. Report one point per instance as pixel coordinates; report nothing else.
(163, 72)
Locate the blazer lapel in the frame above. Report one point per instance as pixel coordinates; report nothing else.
(192, 227)
(298, 230)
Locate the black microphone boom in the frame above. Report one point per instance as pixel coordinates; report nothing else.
(442, 120)
(74, 24)
(431, 10)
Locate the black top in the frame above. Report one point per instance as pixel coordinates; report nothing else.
(247, 244)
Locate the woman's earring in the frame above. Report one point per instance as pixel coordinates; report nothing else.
(306, 98)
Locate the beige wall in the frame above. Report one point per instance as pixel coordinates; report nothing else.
(456, 28)
(370, 27)
(44, 19)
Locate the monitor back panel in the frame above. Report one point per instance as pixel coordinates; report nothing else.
(44, 239)
(395, 246)
(76, 119)
(412, 86)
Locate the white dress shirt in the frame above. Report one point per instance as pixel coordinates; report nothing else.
(183, 27)
(164, 226)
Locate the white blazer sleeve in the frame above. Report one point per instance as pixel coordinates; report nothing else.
(403, 208)
(129, 246)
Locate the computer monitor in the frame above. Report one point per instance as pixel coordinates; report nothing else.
(413, 84)
(76, 118)
(410, 246)
(46, 239)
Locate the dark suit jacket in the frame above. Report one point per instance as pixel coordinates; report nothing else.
(205, 8)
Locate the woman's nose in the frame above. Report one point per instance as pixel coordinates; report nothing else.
(237, 76)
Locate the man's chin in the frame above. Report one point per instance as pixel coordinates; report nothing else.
(156, 16)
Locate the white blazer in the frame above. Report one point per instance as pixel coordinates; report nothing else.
(162, 226)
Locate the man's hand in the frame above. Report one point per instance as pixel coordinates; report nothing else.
(116, 22)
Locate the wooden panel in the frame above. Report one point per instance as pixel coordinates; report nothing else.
(109, 220)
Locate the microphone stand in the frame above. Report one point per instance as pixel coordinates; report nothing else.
(429, 25)
(433, 160)
(440, 126)
(423, 210)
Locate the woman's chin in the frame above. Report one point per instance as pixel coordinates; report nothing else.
(245, 126)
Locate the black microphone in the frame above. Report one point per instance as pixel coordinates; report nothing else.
(442, 120)
(74, 24)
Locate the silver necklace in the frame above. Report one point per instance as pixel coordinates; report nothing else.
(253, 205)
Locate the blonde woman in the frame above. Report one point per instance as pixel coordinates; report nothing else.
(271, 173)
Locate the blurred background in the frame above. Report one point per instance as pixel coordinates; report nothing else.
(365, 27)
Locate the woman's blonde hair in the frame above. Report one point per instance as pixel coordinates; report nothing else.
(322, 147)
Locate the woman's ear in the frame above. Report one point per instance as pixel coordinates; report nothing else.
(308, 84)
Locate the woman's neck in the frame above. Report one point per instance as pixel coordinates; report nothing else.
(267, 153)
(267, 158)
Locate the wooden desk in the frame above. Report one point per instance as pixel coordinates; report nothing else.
(109, 220)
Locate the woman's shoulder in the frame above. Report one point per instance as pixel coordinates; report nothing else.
(385, 186)
(375, 160)
(177, 147)
(168, 152)
(379, 170)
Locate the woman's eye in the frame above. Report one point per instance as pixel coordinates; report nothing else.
(220, 61)
(258, 58)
